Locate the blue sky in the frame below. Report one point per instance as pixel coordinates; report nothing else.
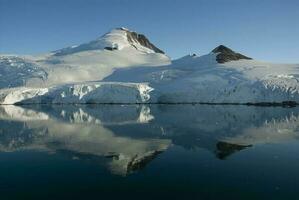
(263, 29)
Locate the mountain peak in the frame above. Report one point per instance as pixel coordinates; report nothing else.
(222, 49)
(225, 54)
(116, 39)
(136, 40)
(123, 28)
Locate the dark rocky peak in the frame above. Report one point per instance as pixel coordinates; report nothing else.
(225, 54)
(134, 37)
(222, 49)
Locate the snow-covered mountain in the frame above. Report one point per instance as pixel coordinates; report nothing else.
(123, 66)
(86, 62)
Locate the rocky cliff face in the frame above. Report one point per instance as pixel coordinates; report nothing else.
(134, 37)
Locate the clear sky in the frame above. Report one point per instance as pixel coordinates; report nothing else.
(263, 29)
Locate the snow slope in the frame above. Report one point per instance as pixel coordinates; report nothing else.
(17, 71)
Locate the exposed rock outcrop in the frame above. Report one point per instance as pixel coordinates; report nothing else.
(225, 54)
(134, 37)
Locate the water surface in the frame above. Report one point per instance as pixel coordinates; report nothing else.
(149, 151)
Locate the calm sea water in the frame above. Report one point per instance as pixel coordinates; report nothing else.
(149, 152)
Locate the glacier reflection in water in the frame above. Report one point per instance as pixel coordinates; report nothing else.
(127, 138)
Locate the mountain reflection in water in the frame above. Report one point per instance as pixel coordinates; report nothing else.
(125, 138)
